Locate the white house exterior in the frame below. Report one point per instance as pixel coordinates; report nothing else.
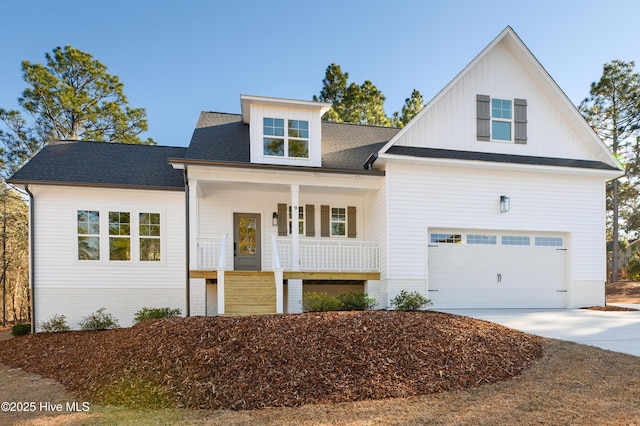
(493, 196)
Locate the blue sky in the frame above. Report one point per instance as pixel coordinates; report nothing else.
(179, 58)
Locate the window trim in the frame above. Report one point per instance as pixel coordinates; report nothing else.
(142, 236)
(301, 221)
(510, 120)
(286, 137)
(332, 221)
(88, 235)
(134, 235)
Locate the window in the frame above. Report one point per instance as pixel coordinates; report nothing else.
(149, 237)
(338, 221)
(446, 238)
(549, 241)
(501, 117)
(481, 239)
(300, 220)
(503, 120)
(119, 232)
(294, 143)
(88, 235)
(510, 240)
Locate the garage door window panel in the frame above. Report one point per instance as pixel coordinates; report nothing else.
(446, 238)
(515, 240)
(482, 239)
(549, 241)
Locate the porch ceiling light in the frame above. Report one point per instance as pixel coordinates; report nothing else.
(274, 219)
(505, 204)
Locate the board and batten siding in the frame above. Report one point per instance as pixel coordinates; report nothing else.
(450, 122)
(423, 197)
(74, 288)
(260, 111)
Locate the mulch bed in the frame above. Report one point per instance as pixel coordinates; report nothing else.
(281, 360)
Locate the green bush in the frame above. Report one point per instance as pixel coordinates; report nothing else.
(319, 302)
(633, 267)
(55, 324)
(356, 300)
(153, 313)
(99, 320)
(406, 301)
(21, 329)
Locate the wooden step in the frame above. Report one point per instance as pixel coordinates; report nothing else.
(249, 293)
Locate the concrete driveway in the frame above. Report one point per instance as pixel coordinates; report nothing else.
(612, 330)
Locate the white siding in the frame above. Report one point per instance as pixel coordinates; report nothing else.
(216, 208)
(450, 123)
(57, 268)
(259, 111)
(423, 197)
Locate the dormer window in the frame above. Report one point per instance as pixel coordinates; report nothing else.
(293, 143)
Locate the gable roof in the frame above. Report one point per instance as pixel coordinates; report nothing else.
(224, 138)
(82, 163)
(510, 40)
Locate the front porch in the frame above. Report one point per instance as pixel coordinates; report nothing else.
(336, 263)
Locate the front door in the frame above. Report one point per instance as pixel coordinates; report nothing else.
(246, 242)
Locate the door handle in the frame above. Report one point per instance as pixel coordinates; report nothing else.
(499, 278)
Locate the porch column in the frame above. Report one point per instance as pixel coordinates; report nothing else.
(295, 235)
(294, 287)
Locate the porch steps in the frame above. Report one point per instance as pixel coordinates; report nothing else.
(249, 293)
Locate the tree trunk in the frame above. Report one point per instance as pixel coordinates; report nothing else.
(616, 244)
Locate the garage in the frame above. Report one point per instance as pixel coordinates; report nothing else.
(489, 269)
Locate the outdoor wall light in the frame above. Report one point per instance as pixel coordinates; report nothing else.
(274, 219)
(505, 204)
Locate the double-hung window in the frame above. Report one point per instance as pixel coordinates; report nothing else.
(338, 221)
(285, 138)
(149, 237)
(300, 220)
(88, 234)
(501, 119)
(119, 236)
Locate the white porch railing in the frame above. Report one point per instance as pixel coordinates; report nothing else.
(212, 253)
(331, 255)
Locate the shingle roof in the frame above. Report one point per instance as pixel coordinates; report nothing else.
(103, 164)
(225, 138)
(496, 158)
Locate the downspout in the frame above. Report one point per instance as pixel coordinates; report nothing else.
(32, 257)
(188, 244)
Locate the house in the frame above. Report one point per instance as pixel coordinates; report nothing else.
(492, 196)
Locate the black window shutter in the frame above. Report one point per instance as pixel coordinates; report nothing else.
(520, 120)
(283, 220)
(309, 217)
(351, 222)
(483, 112)
(325, 221)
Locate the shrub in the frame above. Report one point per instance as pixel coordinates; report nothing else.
(21, 329)
(633, 268)
(99, 320)
(320, 302)
(356, 301)
(55, 324)
(406, 301)
(153, 313)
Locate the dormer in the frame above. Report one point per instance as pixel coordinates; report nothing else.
(284, 131)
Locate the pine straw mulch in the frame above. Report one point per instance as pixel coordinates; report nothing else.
(278, 360)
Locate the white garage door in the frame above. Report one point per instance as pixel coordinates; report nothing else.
(470, 269)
